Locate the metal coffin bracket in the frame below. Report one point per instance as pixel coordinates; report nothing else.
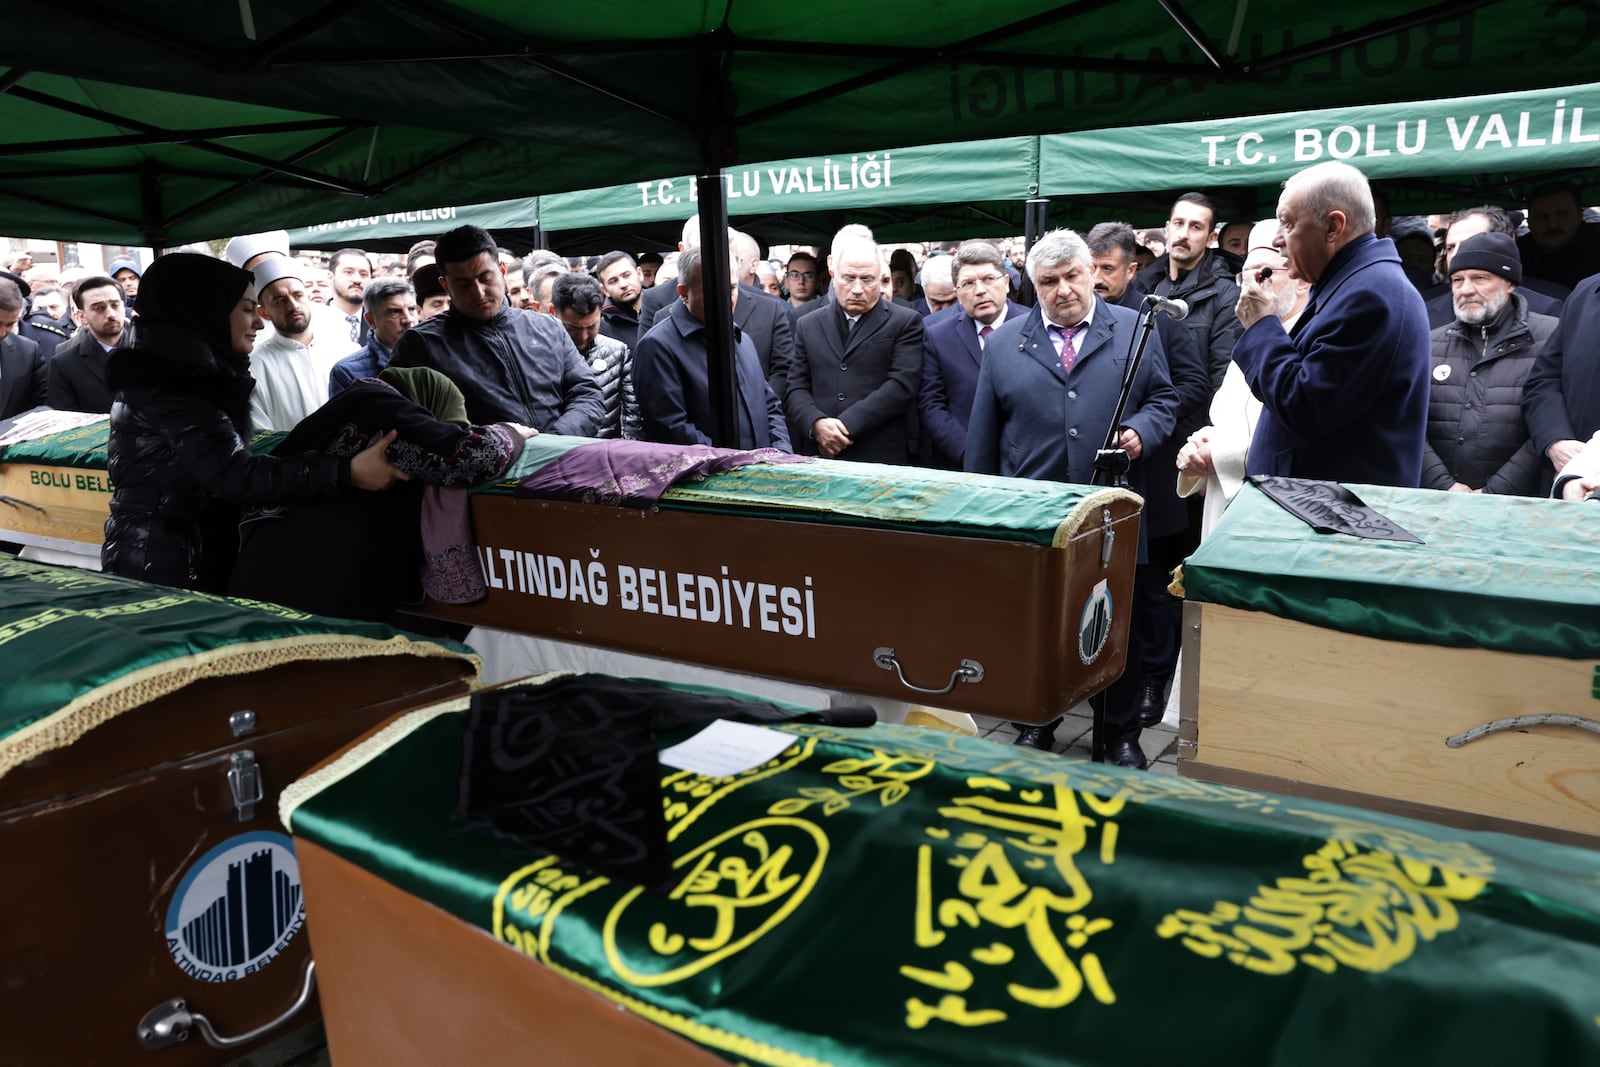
(170, 1022)
(968, 670)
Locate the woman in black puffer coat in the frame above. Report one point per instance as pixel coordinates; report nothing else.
(180, 425)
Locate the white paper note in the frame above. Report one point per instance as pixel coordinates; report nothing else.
(726, 748)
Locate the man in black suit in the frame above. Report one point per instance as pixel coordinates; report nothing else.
(78, 369)
(22, 369)
(857, 363)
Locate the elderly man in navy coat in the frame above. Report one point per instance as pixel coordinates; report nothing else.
(1043, 407)
(1345, 395)
(952, 348)
(669, 374)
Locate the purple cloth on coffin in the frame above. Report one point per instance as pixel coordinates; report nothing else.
(634, 474)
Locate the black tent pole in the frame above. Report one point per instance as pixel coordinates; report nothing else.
(1036, 211)
(715, 268)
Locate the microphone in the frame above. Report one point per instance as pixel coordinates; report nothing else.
(1175, 308)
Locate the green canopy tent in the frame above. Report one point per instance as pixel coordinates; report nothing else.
(191, 119)
(1427, 154)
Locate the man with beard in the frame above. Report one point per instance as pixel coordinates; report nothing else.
(511, 365)
(1559, 246)
(1543, 298)
(1043, 407)
(619, 319)
(517, 291)
(352, 270)
(291, 367)
(1201, 277)
(1477, 439)
(78, 368)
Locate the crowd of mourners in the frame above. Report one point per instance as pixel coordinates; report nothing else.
(1457, 353)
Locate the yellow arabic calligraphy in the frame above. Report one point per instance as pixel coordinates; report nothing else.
(1356, 907)
(1048, 828)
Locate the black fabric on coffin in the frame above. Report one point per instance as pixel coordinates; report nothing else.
(569, 767)
(1328, 507)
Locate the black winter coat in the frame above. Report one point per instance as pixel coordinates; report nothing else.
(181, 467)
(1476, 431)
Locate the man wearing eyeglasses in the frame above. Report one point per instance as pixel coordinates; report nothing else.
(801, 278)
(857, 362)
(952, 352)
(1201, 277)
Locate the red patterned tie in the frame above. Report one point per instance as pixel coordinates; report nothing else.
(983, 336)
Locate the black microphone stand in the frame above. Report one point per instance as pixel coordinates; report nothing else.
(1111, 465)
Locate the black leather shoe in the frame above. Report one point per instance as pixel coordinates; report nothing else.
(1042, 738)
(1126, 753)
(1151, 704)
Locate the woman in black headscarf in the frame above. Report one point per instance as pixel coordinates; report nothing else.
(180, 423)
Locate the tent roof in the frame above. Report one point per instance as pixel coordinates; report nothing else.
(191, 118)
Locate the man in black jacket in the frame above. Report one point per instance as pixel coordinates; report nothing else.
(1478, 441)
(511, 365)
(1203, 278)
(78, 368)
(1170, 525)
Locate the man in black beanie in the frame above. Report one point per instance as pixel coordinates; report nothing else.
(1477, 439)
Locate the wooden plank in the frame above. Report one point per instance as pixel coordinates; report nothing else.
(1301, 703)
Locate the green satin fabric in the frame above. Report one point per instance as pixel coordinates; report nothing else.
(66, 634)
(1508, 573)
(86, 447)
(895, 896)
(869, 495)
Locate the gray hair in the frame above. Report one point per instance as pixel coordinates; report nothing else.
(380, 291)
(1335, 186)
(939, 269)
(689, 267)
(1055, 248)
(852, 234)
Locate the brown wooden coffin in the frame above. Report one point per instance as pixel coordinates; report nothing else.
(100, 836)
(827, 605)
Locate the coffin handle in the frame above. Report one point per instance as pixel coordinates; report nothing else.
(170, 1022)
(968, 670)
(1516, 722)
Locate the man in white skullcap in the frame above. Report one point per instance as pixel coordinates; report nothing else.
(291, 367)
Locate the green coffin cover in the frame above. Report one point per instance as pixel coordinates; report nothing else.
(86, 447)
(1514, 574)
(80, 648)
(897, 896)
(871, 495)
(827, 491)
